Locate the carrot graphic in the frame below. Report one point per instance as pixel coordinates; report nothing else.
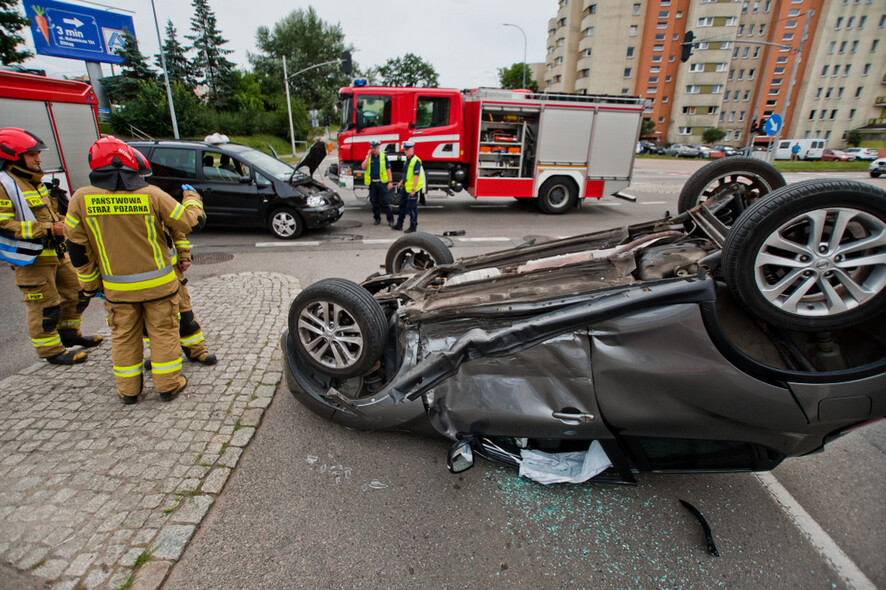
(41, 21)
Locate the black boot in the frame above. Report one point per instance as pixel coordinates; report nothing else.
(70, 338)
(68, 357)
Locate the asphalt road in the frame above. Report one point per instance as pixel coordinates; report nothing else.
(285, 521)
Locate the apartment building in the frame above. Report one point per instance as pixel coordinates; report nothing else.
(740, 68)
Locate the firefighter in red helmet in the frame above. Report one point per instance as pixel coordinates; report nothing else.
(32, 241)
(116, 239)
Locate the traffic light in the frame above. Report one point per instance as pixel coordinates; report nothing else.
(758, 127)
(346, 65)
(688, 37)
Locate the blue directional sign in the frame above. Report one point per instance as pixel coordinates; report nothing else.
(66, 30)
(773, 124)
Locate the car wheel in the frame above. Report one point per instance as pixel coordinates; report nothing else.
(875, 175)
(745, 178)
(285, 224)
(557, 195)
(811, 256)
(417, 251)
(337, 327)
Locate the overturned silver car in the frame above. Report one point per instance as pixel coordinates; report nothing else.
(682, 344)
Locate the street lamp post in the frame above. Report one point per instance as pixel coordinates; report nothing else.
(165, 74)
(524, 49)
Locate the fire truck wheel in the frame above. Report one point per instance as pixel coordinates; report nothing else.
(557, 195)
(416, 252)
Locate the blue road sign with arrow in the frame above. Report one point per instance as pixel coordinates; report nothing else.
(773, 124)
(66, 30)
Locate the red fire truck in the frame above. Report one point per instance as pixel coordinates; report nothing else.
(558, 148)
(63, 113)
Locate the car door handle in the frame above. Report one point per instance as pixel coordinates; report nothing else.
(573, 417)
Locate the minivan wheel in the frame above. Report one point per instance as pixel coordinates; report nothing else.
(285, 224)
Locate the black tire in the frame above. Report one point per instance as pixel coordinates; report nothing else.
(419, 251)
(557, 195)
(285, 223)
(337, 327)
(775, 272)
(875, 175)
(747, 177)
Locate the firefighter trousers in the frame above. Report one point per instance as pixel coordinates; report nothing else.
(190, 333)
(160, 320)
(51, 293)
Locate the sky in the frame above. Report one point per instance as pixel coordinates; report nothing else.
(465, 40)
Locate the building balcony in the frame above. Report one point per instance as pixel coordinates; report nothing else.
(881, 121)
(881, 101)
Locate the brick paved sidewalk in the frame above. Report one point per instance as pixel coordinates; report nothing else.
(93, 492)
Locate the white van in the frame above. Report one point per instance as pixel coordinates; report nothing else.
(810, 149)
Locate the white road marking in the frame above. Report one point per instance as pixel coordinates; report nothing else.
(653, 202)
(826, 547)
(379, 241)
(484, 239)
(281, 243)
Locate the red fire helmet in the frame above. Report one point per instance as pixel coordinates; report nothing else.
(14, 142)
(110, 151)
(144, 167)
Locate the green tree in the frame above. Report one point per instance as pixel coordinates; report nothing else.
(512, 77)
(148, 111)
(211, 65)
(306, 40)
(853, 137)
(409, 70)
(11, 22)
(647, 127)
(134, 70)
(178, 67)
(712, 135)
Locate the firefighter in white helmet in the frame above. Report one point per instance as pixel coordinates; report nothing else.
(116, 239)
(32, 240)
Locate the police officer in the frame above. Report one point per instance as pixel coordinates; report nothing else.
(31, 239)
(379, 178)
(115, 231)
(411, 184)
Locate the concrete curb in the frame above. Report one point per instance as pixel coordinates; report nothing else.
(92, 492)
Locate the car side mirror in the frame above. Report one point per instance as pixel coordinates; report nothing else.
(461, 457)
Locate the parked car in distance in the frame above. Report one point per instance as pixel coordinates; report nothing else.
(729, 151)
(651, 147)
(242, 186)
(836, 155)
(680, 150)
(707, 151)
(863, 153)
(877, 168)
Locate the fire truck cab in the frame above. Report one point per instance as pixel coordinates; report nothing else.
(556, 148)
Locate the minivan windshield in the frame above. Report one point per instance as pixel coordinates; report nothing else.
(270, 165)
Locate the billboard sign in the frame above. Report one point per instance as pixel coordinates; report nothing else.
(75, 32)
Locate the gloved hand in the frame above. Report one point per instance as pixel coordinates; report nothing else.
(188, 187)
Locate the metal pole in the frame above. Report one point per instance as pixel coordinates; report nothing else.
(288, 107)
(797, 61)
(524, 49)
(165, 74)
(749, 146)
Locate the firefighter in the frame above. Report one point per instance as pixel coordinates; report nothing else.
(190, 334)
(31, 239)
(380, 180)
(115, 232)
(412, 182)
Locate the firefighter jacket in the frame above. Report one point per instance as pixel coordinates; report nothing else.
(34, 223)
(118, 244)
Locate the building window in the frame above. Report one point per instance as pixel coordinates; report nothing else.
(659, 36)
(741, 116)
(632, 31)
(661, 26)
(840, 92)
(707, 21)
(787, 37)
(756, 52)
(589, 32)
(625, 90)
(679, 13)
(663, 14)
(861, 21)
(740, 31)
(777, 81)
(735, 53)
(651, 90)
(774, 91)
(782, 59)
(726, 96)
(828, 93)
(587, 52)
(636, 9)
(731, 116)
(794, 12)
(658, 48)
(846, 70)
(654, 69)
(824, 71)
(592, 9)
(747, 95)
(653, 79)
(874, 45)
(839, 23)
(778, 71)
(656, 59)
(561, 42)
(731, 73)
(664, 99)
(833, 114)
(791, 24)
(812, 114)
(771, 102)
(696, 67)
(584, 73)
(852, 114)
(737, 135)
(661, 119)
(750, 74)
(745, 52)
(741, 74)
(849, 22)
(858, 91)
(832, 46)
(854, 47)
(630, 52)
(867, 70)
(760, 32)
(882, 21)
(684, 131)
(818, 93)
(672, 59)
(692, 89)
(627, 73)
(822, 114)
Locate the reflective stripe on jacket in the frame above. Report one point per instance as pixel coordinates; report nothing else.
(26, 217)
(125, 242)
(382, 169)
(410, 183)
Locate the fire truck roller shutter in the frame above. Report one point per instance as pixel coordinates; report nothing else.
(33, 116)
